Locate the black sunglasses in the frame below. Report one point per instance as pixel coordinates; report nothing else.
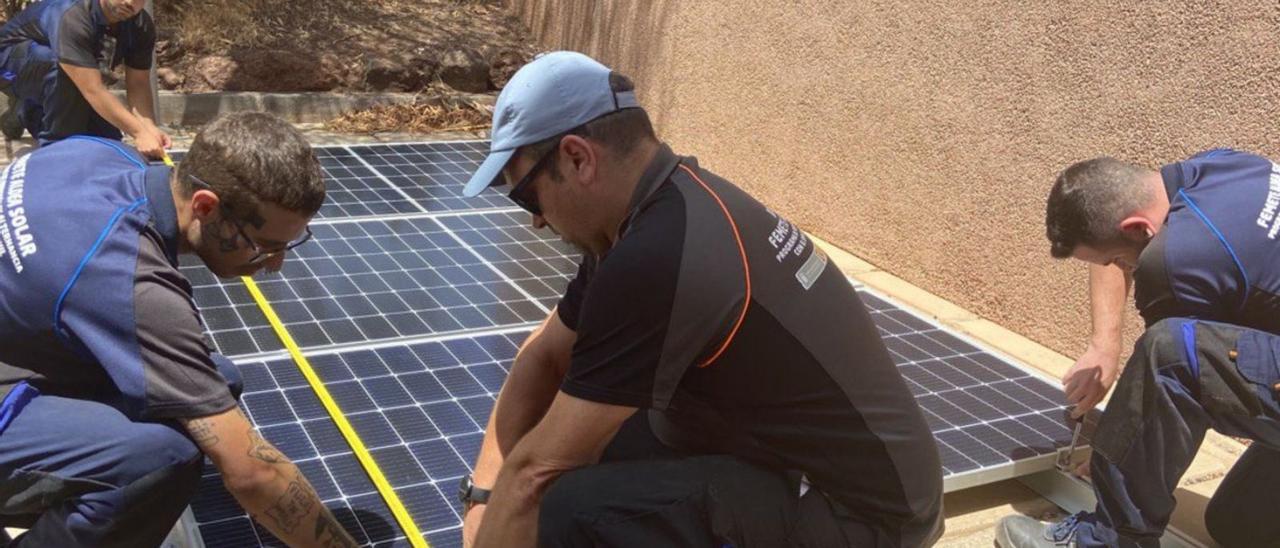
(522, 193)
(259, 254)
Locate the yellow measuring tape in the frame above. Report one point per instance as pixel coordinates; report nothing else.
(362, 453)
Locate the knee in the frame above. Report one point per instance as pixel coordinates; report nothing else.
(161, 447)
(563, 506)
(1165, 341)
(231, 372)
(1220, 520)
(1163, 333)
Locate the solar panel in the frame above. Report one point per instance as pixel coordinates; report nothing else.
(233, 321)
(278, 400)
(410, 304)
(420, 409)
(539, 265)
(373, 280)
(433, 174)
(378, 180)
(983, 411)
(352, 189)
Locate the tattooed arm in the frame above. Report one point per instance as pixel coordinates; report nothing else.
(266, 482)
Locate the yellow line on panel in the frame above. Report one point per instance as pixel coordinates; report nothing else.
(357, 445)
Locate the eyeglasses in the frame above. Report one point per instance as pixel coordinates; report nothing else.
(260, 255)
(522, 193)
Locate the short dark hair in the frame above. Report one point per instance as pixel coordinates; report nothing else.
(619, 131)
(251, 158)
(1088, 201)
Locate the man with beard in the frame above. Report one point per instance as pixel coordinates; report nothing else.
(110, 397)
(709, 378)
(49, 55)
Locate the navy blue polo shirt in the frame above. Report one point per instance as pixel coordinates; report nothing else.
(93, 303)
(74, 30)
(1217, 256)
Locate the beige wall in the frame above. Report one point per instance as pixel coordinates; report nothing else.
(923, 135)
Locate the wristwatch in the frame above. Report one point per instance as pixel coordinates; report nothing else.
(470, 495)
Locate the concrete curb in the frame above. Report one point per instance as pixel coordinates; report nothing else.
(1217, 455)
(195, 109)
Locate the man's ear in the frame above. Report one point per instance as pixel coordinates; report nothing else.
(1137, 228)
(578, 159)
(205, 205)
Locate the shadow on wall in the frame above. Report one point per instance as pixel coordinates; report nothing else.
(624, 35)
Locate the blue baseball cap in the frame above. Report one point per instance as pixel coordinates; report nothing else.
(554, 93)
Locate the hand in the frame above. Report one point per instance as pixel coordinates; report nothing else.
(151, 142)
(1082, 469)
(165, 140)
(1089, 380)
(471, 524)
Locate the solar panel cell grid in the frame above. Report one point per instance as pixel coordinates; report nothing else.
(422, 440)
(433, 174)
(378, 280)
(539, 265)
(983, 411)
(393, 303)
(233, 321)
(354, 190)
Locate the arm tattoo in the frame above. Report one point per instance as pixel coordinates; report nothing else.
(261, 449)
(330, 534)
(295, 504)
(202, 433)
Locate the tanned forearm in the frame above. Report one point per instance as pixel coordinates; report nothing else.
(89, 82)
(269, 486)
(138, 89)
(522, 402)
(572, 434)
(535, 377)
(286, 503)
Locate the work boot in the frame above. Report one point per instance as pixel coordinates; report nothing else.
(1020, 531)
(10, 124)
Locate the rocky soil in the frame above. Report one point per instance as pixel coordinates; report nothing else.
(329, 45)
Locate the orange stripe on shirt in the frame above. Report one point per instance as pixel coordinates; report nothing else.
(746, 268)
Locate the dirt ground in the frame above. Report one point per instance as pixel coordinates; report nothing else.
(336, 45)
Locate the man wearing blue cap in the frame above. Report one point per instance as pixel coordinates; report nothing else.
(772, 412)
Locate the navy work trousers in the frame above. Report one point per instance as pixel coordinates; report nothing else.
(50, 105)
(79, 472)
(1186, 376)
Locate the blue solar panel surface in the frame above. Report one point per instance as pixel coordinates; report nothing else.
(410, 305)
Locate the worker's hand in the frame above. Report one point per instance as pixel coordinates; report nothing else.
(151, 142)
(471, 524)
(1082, 469)
(1089, 380)
(165, 140)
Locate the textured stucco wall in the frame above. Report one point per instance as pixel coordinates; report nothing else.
(924, 135)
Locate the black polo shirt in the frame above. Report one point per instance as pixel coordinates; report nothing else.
(725, 320)
(75, 29)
